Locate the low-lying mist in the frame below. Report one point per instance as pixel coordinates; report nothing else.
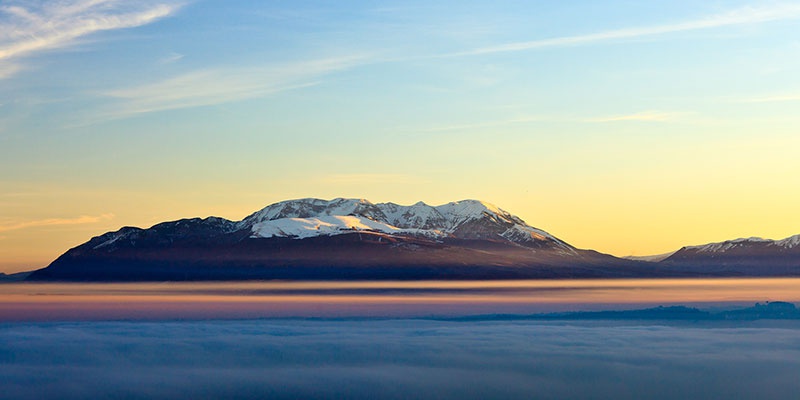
(398, 359)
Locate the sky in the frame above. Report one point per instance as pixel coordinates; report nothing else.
(631, 128)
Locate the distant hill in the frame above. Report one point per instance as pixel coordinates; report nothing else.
(740, 257)
(769, 310)
(19, 276)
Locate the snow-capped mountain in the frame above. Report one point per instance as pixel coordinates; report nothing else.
(743, 245)
(746, 243)
(467, 219)
(338, 239)
(312, 239)
(788, 243)
(752, 256)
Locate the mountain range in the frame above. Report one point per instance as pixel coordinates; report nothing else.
(342, 239)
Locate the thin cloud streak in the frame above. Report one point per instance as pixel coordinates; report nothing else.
(772, 99)
(362, 179)
(644, 116)
(6, 70)
(30, 29)
(82, 220)
(489, 124)
(171, 58)
(742, 16)
(217, 86)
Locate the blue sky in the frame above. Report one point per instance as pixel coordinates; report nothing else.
(596, 121)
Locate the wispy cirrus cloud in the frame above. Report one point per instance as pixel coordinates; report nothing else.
(741, 16)
(32, 27)
(222, 85)
(486, 124)
(362, 179)
(644, 116)
(7, 70)
(772, 99)
(171, 58)
(83, 219)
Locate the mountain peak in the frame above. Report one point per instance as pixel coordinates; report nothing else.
(473, 204)
(312, 207)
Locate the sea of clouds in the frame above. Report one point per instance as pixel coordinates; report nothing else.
(398, 359)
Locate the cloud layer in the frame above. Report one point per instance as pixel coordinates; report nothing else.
(646, 116)
(741, 16)
(396, 359)
(83, 219)
(30, 28)
(222, 85)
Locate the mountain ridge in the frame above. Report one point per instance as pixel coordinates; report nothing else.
(754, 252)
(357, 239)
(336, 239)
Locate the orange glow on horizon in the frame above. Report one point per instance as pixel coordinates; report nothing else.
(319, 299)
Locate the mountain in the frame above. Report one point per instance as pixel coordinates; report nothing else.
(740, 257)
(339, 239)
(343, 239)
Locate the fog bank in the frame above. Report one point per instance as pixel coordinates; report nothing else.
(396, 359)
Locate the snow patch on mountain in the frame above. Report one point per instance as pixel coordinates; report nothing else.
(790, 242)
(110, 238)
(726, 245)
(326, 225)
(419, 215)
(467, 208)
(722, 247)
(311, 208)
(519, 233)
(651, 258)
